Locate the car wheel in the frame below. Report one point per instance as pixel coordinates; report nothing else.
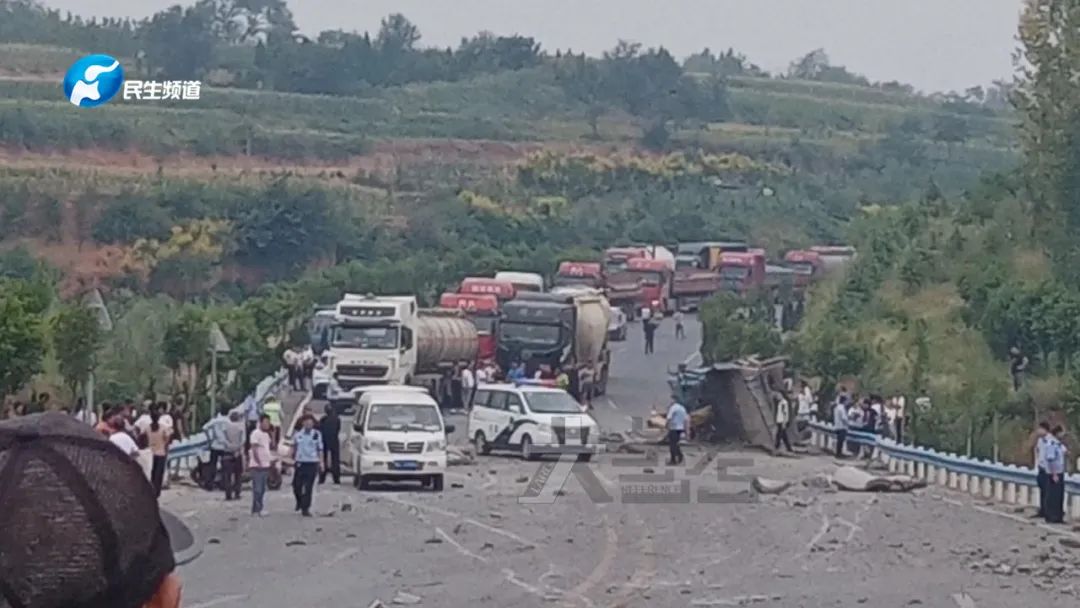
(437, 483)
(363, 483)
(527, 448)
(584, 457)
(481, 444)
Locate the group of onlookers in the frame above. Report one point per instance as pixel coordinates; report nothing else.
(132, 429)
(870, 414)
(300, 364)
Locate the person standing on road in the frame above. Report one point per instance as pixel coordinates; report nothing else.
(676, 426)
(783, 417)
(680, 331)
(158, 437)
(307, 454)
(215, 432)
(840, 425)
(272, 408)
(468, 384)
(260, 462)
(650, 334)
(292, 362)
(234, 435)
(1042, 439)
(330, 427)
(1055, 460)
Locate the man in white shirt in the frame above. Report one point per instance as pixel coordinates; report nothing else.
(783, 417)
(292, 365)
(260, 461)
(126, 444)
(468, 384)
(677, 419)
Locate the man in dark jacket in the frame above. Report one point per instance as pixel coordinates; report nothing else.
(330, 427)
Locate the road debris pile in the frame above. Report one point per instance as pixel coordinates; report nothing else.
(458, 455)
(1050, 564)
(853, 479)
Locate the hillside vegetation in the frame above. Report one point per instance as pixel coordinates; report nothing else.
(368, 162)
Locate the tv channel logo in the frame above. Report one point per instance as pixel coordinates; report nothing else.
(93, 80)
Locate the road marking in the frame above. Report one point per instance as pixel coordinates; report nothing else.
(611, 403)
(219, 601)
(340, 557)
(695, 356)
(468, 520)
(462, 550)
(1013, 517)
(600, 572)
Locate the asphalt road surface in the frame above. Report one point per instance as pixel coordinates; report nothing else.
(501, 536)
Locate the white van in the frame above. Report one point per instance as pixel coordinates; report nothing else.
(398, 435)
(532, 420)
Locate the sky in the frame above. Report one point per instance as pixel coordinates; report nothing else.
(935, 45)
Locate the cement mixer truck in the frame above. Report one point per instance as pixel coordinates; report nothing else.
(380, 340)
(567, 330)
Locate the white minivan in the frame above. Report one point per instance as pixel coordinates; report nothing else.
(398, 435)
(532, 420)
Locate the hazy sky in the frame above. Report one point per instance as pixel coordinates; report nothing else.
(932, 44)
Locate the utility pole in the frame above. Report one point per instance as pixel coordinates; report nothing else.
(95, 302)
(218, 344)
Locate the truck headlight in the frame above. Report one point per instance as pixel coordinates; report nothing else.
(374, 445)
(436, 445)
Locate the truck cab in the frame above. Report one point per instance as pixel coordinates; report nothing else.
(656, 277)
(742, 272)
(806, 264)
(834, 256)
(522, 281)
(319, 328)
(371, 342)
(480, 286)
(483, 311)
(587, 274)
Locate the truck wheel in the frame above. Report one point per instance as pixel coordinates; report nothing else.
(601, 387)
(481, 444)
(437, 483)
(527, 449)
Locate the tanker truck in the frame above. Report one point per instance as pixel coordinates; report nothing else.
(378, 340)
(566, 330)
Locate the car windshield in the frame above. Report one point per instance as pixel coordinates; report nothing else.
(380, 338)
(531, 334)
(552, 403)
(734, 272)
(802, 267)
(648, 277)
(404, 417)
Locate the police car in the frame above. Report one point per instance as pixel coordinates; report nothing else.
(531, 419)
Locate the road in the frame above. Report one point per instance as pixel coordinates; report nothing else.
(479, 543)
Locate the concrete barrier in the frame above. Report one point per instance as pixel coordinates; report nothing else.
(1004, 483)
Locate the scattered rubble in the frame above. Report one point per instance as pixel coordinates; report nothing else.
(764, 485)
(857, 480)
(406, 599)
(457, 455)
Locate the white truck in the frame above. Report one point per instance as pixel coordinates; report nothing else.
(378, 340)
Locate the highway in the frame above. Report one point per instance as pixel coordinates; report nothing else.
(498, 537)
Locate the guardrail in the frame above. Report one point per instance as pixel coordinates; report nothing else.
(1004, 483)
(182, 454)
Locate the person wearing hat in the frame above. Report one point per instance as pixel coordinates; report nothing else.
(307, 454)
(81, 525)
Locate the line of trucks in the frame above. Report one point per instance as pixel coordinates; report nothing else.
(369, 340)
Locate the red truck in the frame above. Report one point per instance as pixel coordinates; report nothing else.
(478, 286)
(656, 279)
(742, 272)
(586, 274)
(483, 311)
(807, 265)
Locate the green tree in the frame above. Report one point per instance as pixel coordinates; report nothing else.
(128, 218)
(21, 341)
(179, 42)
(76, 340)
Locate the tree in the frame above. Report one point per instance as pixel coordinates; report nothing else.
(179, 43)
(128, 218)
(21, 341)
(583, 80)
(76, 339)
(187, 351)
(950, 129)
(245, 21)
(397, 35)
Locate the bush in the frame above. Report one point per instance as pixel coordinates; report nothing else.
(129, 218)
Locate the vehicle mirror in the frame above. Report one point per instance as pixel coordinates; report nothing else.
(450, 428)
(515, 409)
(358, 428)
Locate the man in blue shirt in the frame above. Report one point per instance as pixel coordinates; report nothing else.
(307, 453)
(517, 372)
(1054, 460)
(1042, 434)
(676, 424)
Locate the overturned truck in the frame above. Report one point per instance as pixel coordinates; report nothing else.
(737, 397)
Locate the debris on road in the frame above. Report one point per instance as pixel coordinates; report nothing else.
(853, 479)
(764, 485)
(406, 599)
(457, 455)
